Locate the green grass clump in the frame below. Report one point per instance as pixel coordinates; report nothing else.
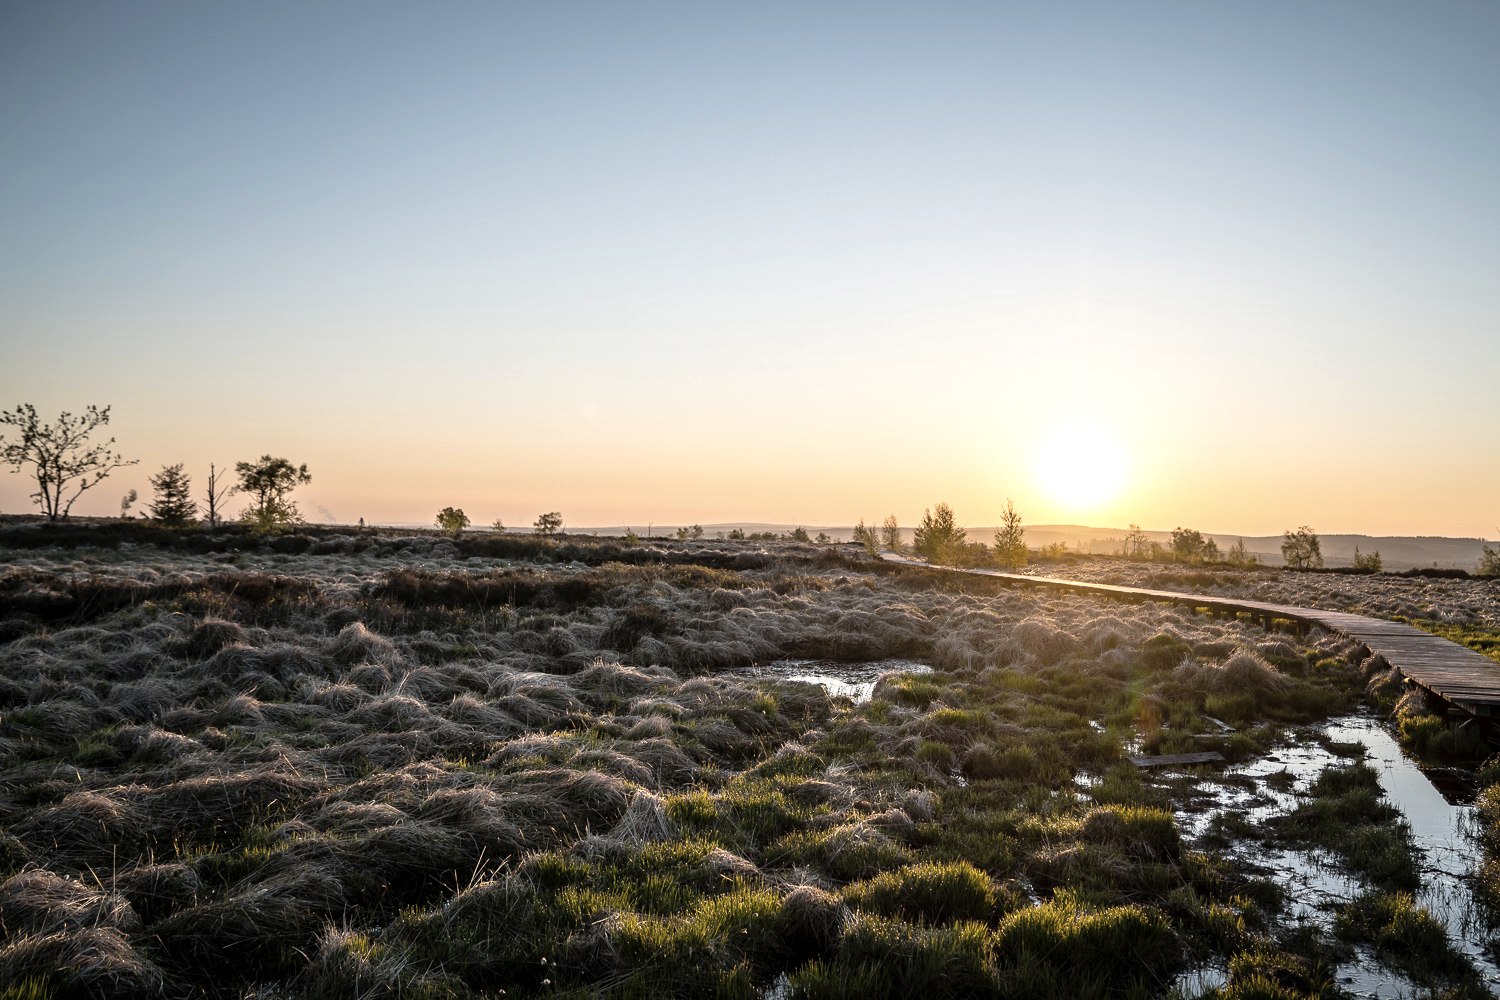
(1017, 763)
(845, 853)
(29, 988)
(1348, 815)
(655, 878)
(1065, 945)
(1163, 652)
(1102, 875)
(882, 957)
(1403, 934)
(746, 814)
(1237, 709)
(917, 691)
(719, 933)
(939, 755)
(1431, 737)
(1263, 972)
(972, 827)
(1142, 831)
(1124, 784)
(930, 892)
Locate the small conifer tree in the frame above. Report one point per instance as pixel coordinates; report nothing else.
(1010, 539)
(938, 536)
(172, 505)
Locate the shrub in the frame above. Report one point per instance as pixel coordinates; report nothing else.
(452, 520)
(1189, 545)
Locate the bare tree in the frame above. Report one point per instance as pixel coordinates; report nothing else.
(128, 501)
(63, 462)
(215, 496)
(1137, 545)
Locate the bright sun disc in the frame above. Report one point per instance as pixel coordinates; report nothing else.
(1081, 467)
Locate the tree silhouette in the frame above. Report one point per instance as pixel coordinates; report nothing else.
(173, 505)
(269, 483)
(64, 464)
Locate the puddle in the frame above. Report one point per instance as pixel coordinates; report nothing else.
(1442, 830)
(855, 681)
(1445, 832)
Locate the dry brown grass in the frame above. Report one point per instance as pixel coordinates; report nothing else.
(296, 757)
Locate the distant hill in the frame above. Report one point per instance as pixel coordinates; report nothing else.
(1397, 552)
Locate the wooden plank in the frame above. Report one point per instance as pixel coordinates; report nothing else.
(1177, 759)
(1453, 672)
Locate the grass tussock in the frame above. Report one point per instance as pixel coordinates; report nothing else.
(394, 764)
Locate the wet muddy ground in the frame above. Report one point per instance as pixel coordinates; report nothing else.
(1317, 884)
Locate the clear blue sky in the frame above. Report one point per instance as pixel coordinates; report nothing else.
(787, 262)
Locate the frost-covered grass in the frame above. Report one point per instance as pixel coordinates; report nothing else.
(1465, 610)
(406, 766)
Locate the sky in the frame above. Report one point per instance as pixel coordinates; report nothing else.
(1229, 266)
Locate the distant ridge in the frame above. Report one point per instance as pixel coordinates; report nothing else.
(1397, 552)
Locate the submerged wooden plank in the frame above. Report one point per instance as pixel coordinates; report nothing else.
(1177, 759)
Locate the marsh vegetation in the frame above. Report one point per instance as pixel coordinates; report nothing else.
(381, 764)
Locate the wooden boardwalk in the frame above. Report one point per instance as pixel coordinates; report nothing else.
(1461, 677)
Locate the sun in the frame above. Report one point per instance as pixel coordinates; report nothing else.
(1081, 466)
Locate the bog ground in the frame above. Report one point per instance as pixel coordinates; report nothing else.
(333, 765)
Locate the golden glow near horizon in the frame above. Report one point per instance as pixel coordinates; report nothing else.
(1081, 466)
(610, 265)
